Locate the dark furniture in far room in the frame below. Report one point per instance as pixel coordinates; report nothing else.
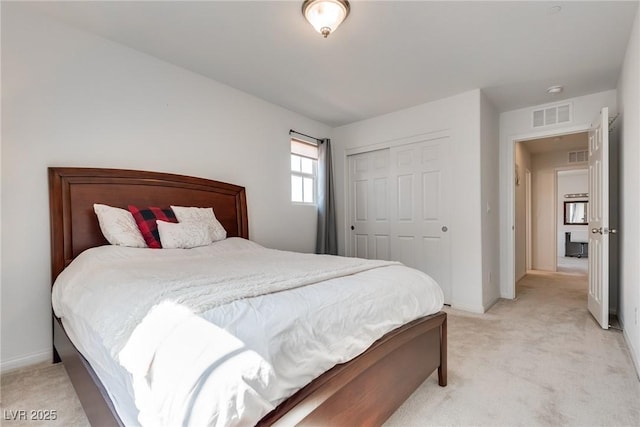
(575, 249)
(363, 391)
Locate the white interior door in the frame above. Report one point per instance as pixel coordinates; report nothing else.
(420, 235)
(369, 205)
(598, 299)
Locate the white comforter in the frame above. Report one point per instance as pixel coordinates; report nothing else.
(171, 352)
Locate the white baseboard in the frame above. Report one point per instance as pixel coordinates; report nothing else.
(476, 309)
(25, 361)
(490, 304)
(635, 357)
(469, 308)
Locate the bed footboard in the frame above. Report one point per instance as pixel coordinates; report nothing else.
(364, 391)
(369, 388)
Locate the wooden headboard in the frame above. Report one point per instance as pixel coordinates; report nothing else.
(73, 191)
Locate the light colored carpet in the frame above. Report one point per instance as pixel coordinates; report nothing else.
(29, 395)
(539, 360)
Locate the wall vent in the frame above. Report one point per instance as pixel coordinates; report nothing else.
(552, 115)
(578, 156)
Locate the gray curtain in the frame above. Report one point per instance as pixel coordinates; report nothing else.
(327, 237)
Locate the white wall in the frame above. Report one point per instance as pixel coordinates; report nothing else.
(629, 107)
(459, 117)
(73, 99)
(569, 182)
(517, 125)
(523, 161)
(489, 164)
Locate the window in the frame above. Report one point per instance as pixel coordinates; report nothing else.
(304, 169)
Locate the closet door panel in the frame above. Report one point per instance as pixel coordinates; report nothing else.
(399, 207)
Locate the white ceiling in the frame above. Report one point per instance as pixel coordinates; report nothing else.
(386, 56)
(574, 141)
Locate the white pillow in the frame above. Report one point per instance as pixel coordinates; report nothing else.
(201, 216)
(118, 226)
(183, 235)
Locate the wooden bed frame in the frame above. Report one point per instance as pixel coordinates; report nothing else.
(363, 391)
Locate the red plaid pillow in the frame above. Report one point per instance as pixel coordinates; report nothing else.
(146, 220)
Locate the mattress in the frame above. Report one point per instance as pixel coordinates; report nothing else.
(169, 354)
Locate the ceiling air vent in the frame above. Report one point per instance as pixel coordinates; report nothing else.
(578, 156)
(552, 115)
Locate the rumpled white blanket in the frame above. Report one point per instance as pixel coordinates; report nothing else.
(135, 281)
(174, 355)
(155, 313)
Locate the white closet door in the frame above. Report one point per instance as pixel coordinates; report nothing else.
(369, 205)
(399, 207)
(420, 235)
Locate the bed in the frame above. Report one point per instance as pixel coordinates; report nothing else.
(364, 390)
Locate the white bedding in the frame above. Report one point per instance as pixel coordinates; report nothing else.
(170, 353)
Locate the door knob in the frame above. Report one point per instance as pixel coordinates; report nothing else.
(613, 231)
(596, 230)
(352, 227)
(444, 228)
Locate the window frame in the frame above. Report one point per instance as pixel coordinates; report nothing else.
(313, 175)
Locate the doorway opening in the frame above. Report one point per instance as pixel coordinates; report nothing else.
(554, 171)
(573, 227)
(602, 215)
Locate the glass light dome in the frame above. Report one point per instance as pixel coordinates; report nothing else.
(325, 15)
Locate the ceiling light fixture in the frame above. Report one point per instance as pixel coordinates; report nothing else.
(325, 15)
(555, 89)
